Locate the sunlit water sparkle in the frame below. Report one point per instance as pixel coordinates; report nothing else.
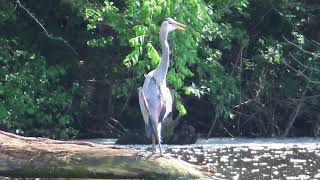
(243, 158)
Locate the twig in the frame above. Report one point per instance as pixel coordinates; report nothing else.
(125, 105)
(212, 125)
(258, 92)
(240, 72)
(97, 81)
(228, 132)
(286, 132)
(232, 3)
(296, 29)
(240, 89)
(45, 31)
(237, 59)
(114, 128)
(309, 97)
(299, 73)
(315, 42)
(295, 45)
(119, 124)
(303, 64)
(260, 20)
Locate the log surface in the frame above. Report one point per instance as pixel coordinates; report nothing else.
(41, 157)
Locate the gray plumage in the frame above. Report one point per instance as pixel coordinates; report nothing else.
(155, 98)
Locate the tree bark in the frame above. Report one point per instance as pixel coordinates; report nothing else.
(41, 157)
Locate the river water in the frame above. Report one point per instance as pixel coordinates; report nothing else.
(249, 159)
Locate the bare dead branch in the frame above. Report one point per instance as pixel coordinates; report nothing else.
(114, 128)
(125, 105)
(300, 73)
(315, 42)
(309, 97)
(258, 92)
(228, 132)
(297, 46)
(45, 30)
(308, 67)
(119, 124)
(212, 125)
(296, 113)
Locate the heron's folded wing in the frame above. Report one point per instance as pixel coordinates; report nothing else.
(154, 100)
(143, 105)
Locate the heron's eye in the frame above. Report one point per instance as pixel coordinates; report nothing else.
(168, 20)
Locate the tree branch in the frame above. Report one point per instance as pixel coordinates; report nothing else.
(309, 97)
(308, 67)
(258, 92)
(295, 45)
(286, 132)
(300, 73)
(45, 30)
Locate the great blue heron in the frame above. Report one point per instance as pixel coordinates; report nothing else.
(155, 98)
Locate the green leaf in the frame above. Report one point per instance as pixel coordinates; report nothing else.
(153, 55)
(181, 109)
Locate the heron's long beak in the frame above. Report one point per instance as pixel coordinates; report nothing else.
(179, 26)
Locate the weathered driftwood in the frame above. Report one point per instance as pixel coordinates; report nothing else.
(40, 157)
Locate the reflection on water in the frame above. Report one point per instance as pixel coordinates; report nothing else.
(255, 163)
(237, 158)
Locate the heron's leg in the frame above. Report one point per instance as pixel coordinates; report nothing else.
(160, 149)
(153, 144)
(159, 138)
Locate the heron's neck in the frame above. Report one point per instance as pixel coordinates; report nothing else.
(162, 69)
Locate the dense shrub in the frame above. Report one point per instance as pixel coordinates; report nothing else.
(32, 100)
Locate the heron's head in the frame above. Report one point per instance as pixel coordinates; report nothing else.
(170, 24)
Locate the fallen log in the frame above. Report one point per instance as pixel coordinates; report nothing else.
(41, 157)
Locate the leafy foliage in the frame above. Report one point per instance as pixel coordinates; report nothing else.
(32, 100)
(246, 63)
(193, 59)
